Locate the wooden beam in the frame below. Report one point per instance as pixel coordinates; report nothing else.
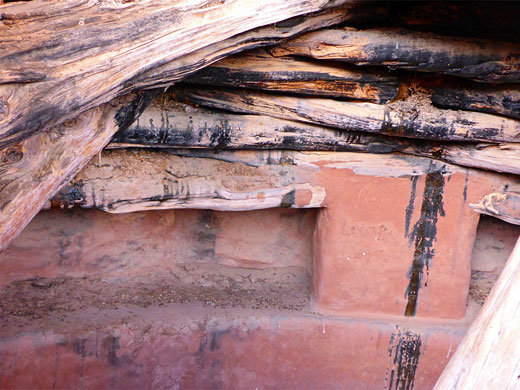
(33, 170)
(166, 124)
(260, 70)
(478, 59)
(492, 99)
(502, 205)
(489, 355)
(97, 49)
(164, 75)
(125, 181)
(146, 179)
(414, 117)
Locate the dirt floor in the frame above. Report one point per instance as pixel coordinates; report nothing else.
(286, 288)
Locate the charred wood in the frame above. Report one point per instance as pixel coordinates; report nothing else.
(260, 70)
(477, 59)
(414, 117)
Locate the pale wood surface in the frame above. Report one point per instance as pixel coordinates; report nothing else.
(489, 355)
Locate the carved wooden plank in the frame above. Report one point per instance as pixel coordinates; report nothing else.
(479, 59)
(260, 70)
(502, 205)
(492, 99)
(33, 170)
(96, 49)
(415, 117)
(166, 124)
(489, 355)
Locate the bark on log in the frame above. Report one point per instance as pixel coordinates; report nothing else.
(488, 356)
(97, 49)
(33, 170)
(491, 99)
(165, 124)
(502, 205)
(415, 117)
(478, 59)
(260, 70)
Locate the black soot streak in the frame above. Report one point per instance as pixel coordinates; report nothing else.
(423, 235)
(404, 351)
(409, 208)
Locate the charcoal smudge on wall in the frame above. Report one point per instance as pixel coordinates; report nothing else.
(403, 354)
(423, 234)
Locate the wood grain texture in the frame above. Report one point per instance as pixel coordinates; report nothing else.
(414, 117)
(96, 50)
(29, 176)
(167, 124)
(259, 70)
(125, 181)
(478, 59)
(502, 205)
(489, 355)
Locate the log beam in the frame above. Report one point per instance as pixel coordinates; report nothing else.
(414, 117)
(260, 70)
(492, 99)
(478, 59)
(166, 124)
(97, 50)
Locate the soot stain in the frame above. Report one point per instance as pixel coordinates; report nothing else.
(410, 207)
(404, 351)
(424, 234)
(465, 193)
(288, 199)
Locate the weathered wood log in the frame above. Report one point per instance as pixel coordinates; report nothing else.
(125, 181)
(165, 124)
(502, 205)
(139, 179)
(33, 170)
(492, 99)
(488, 356)
(477, 59)
(260, 70)
(97, 49)
(173, 71)
(500, 158)
(415, 117)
